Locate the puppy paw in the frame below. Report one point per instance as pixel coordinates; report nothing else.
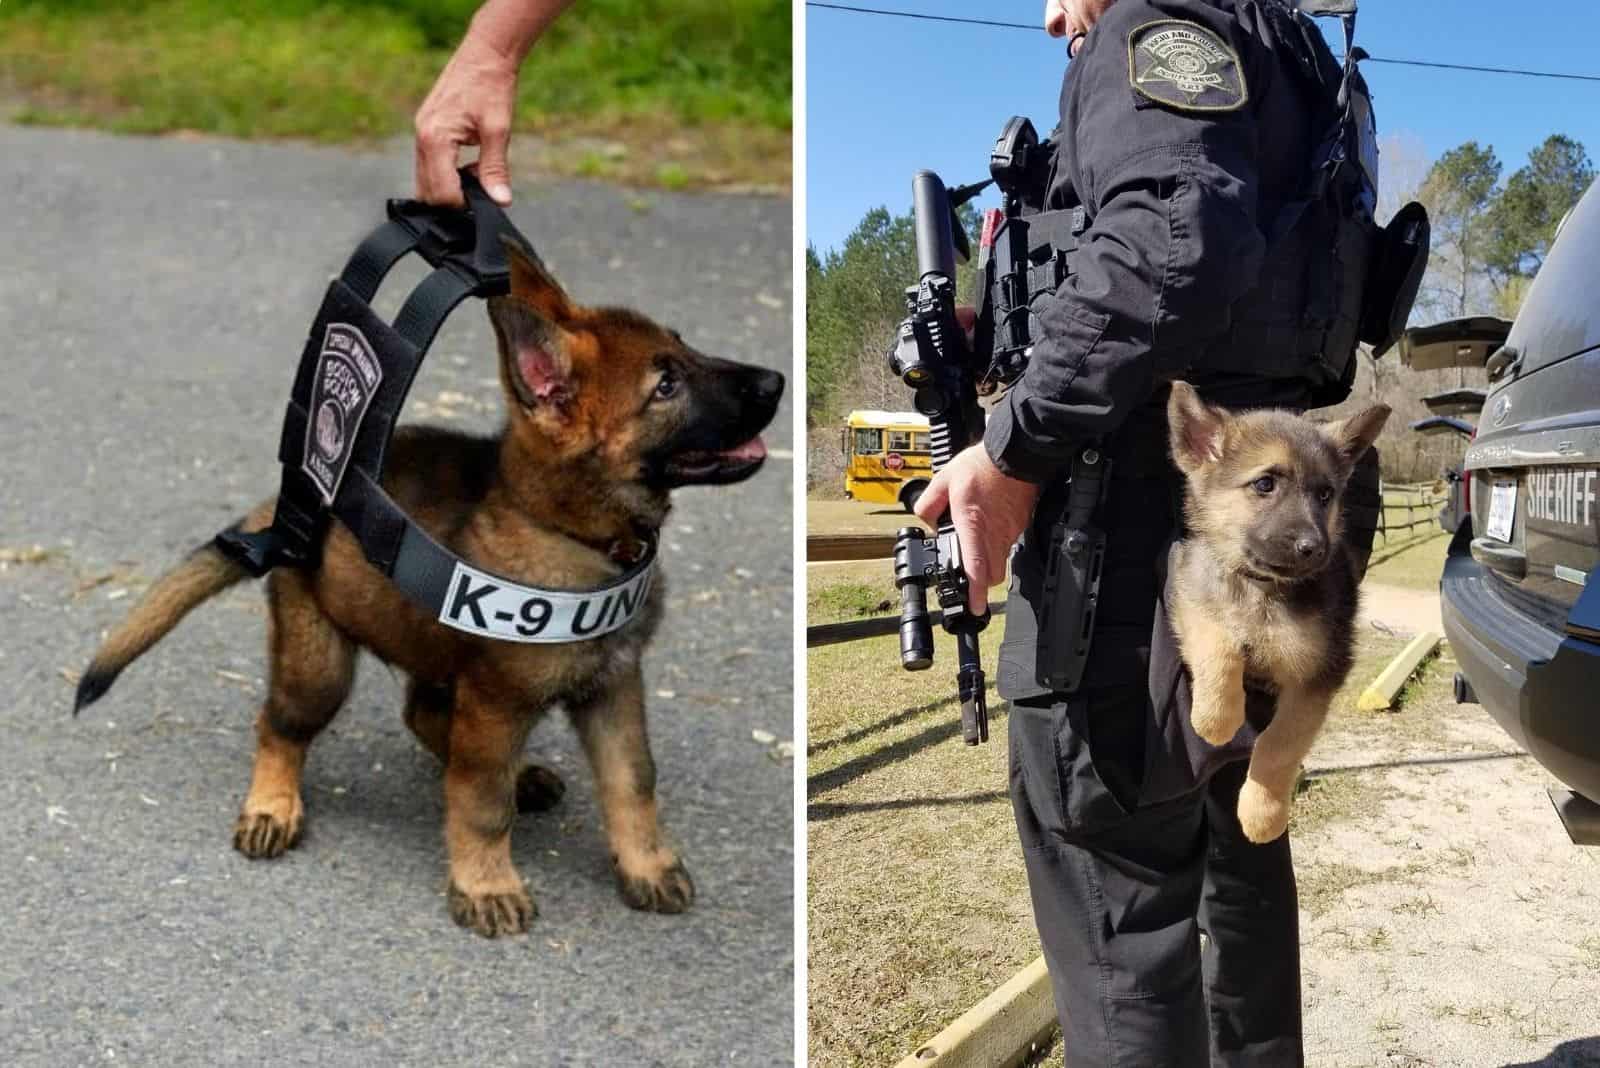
(1217, 715)
(665, 888)
(503, 912)
(265, 830)
(538, 789)
(1262, 815)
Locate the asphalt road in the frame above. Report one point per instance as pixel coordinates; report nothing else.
(154, 295)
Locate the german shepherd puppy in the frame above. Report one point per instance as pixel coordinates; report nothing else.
(1263, 585)
(607, 412)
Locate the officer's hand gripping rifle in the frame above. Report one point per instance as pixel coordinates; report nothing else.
(931, 356)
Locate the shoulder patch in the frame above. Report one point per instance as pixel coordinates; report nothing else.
(1186, 66)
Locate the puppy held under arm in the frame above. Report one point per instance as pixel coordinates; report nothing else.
(1263, 586)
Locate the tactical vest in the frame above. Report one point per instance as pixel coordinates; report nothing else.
(1331, 277)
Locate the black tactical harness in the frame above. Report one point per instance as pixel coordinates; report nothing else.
(349, 392)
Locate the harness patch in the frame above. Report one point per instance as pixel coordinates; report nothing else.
(480, 603)
(1186, 66)
(346, 379)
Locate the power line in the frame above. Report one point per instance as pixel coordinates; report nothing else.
(927, 17)
(1370, 59)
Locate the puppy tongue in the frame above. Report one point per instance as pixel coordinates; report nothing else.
(754, 449)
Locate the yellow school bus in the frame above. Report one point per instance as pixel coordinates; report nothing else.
(886, 457)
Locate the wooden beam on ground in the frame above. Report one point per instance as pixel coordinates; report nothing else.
(999, 1031)
(877, 626)
(822, 548)
(1381, 693)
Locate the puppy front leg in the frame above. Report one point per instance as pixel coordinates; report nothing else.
(486, 893)
(1274, 765)
(649, 875)
(1216, 667)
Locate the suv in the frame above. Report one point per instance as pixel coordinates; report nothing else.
(1518, 606)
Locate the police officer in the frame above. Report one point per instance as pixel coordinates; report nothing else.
(1189, 137)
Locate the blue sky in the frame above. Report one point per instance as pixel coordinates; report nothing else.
(889, 96)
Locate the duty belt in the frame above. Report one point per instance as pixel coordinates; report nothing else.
(349, 392)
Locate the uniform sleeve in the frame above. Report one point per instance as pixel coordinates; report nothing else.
(1173, 241)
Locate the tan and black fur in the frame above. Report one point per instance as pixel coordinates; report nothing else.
(1263, 584)
(607, 412)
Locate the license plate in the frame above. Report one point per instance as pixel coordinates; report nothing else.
(1502, 509)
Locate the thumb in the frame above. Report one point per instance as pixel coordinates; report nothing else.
(493, 171)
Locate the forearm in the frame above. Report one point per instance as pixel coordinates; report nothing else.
(510, 27)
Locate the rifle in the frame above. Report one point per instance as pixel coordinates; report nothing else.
(1028, 252)
(931, 356)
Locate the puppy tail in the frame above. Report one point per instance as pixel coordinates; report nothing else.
(206, 573)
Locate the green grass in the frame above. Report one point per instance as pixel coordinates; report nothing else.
(357, 70)
(833, 602)
(1415, 563)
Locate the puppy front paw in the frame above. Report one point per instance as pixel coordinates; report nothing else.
(503, 911)
(662, 885)
(1218, 713)
(1263, 816)
(266, 828)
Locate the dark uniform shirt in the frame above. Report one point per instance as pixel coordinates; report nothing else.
(1185, 126)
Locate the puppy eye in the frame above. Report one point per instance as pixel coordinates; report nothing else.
(1265, 484)
(667, 386)
(1325, 494)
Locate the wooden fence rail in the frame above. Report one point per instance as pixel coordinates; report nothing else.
(1429, 502)
(823, 548)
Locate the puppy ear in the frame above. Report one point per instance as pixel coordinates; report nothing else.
(534, 363)
(533, 285)
(1355, 435)
(1196, 429)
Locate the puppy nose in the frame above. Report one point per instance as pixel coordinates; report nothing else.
(764, 387)
(1307, 547)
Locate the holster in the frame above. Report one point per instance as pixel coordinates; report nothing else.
(1054, 594)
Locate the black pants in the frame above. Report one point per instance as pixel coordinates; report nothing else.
(1121, 894)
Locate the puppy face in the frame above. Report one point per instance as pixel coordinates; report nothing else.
(1265, 487)
(610, 385)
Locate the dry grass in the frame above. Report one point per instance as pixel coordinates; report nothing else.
(856, 517)
(917, 899)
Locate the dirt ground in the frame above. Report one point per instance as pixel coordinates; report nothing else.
(1446, 919)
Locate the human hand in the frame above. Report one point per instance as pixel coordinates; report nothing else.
(967, 319)
(989, 509)
(470, 104)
